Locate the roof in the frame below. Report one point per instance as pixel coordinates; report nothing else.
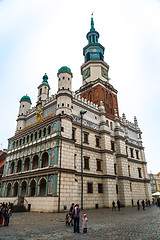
(26, 98)
(64, 68)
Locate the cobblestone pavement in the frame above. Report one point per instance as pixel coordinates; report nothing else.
(103, 224)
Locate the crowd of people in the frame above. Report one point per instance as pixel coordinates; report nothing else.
(5, 213)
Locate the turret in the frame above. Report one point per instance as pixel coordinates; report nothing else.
(64, 93)
(43, 90)
(25, 104)
(94, 66)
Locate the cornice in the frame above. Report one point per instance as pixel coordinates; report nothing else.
(136, 161)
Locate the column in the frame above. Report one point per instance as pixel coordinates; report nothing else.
(47, 186)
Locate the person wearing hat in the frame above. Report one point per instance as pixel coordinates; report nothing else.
(84, 224)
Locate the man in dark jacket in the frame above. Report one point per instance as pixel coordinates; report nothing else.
(76, 215)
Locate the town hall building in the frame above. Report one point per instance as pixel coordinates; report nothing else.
(74, 146)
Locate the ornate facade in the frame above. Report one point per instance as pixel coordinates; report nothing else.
(71, 138)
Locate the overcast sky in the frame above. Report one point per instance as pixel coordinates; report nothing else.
(38, 36)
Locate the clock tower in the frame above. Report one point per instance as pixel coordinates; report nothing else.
(96, 86)
(94, 66)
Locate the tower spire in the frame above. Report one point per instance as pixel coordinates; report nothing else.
(92, 23)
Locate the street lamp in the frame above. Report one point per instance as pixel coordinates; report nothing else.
(82, 114)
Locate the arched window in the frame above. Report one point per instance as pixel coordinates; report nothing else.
(35, 162)
(12, 167)
(49, 129)
(44, 132)
(42, 190)
(44, 160)
(8, 189)
(23, 188)
(40, 133)
(15, 191)
(19, 165)
(26, 164)
(33, 188)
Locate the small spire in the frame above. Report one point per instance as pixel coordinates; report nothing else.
(92, 23)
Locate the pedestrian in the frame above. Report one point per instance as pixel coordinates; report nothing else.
(76, 215)
(113, 206)
(149, 202)
(143, 204)
(118, 204)
(84, 224)
(1, 215)
(138, 205)
(71, 213)
(6, 216)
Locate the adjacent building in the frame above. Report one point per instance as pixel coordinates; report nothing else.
(152, 178)
(74, 146)
(3, 154)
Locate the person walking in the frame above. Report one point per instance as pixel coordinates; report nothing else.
(84, 224)
(143, 204)
(76, 215)
(1, 214)
(71, 213)
(138, 205)
(118, 204)
(113, 206)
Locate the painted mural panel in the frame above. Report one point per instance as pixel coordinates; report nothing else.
(52, 157)
(31, 121)
(54, 127)
(6, 168)
(49, 112)
(51, 185)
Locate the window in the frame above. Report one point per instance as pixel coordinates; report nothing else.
(111, 125)
(73, 133)
(44, 132)
(139, 172)
(62, 104)
(40, 90)
(62, 112)
(20, 142)
(32, 137)
(24, 140)
(127, 151)
(100, 188)
(117, 188)
(129, 171)
(85, 138)
(115, 168)
(131, 151)
(86, 162)
(49, 129)
(99, 165)
(131, 187)
(27, 138)
(90, 187)
(35, 135)
(112, 146)
(40, 133)
(62, 129)
(137, 154)
(97, 142)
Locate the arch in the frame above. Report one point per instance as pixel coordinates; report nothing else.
(15, 189)
(19, 165)
(32, 188)
(8, 189)
(44, 160)
(35, 162)
(26, 164)
(12, 167)
(23, 188)
(42, 187)
(49, 129)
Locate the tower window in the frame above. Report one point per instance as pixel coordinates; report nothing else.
(97, 142)
(68, 79)
(139, 173)
(112, 146)
(62, 112)
(73, 133)
(131, 151)
(62, 104)
(115, 168)
(23, 105)
(63, 77)
(59, 79)
(99, 165)
(137, 154)
(40, 90)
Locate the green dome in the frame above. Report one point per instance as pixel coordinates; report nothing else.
(45, 79)
(64, 68)
(26, 98)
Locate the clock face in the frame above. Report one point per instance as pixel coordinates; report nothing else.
(86, 73)
(104, 73)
